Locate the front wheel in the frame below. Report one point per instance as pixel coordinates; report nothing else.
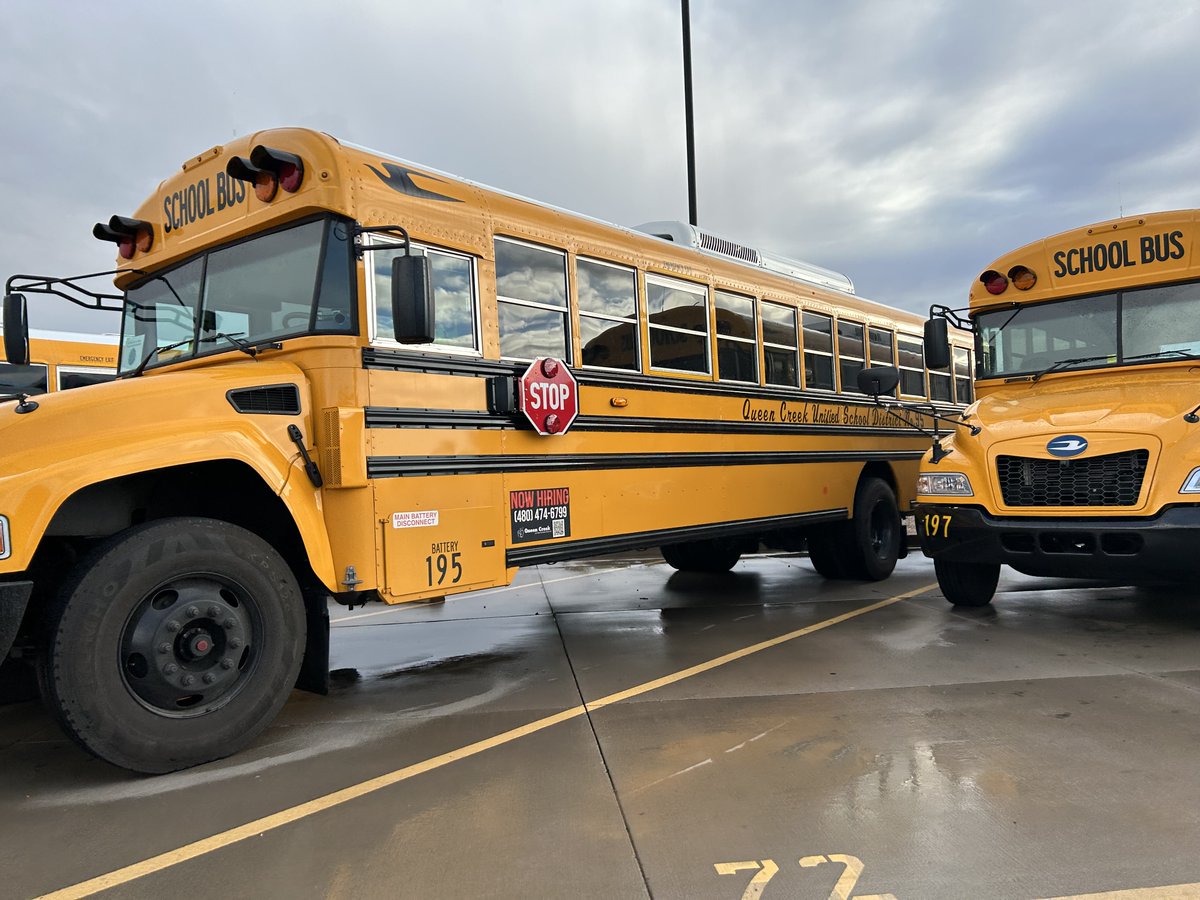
(174, 643)
(967, 584)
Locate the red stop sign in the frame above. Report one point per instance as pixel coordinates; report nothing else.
(549, 396)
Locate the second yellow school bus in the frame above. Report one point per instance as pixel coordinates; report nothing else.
(60, 360)
(322, 357)
(1086, 462)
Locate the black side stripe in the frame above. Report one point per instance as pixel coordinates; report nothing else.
(387, 417)
(561, 550)
(402, 466)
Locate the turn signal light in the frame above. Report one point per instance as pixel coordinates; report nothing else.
(1022, 277)
(994, 281)
(129, 235)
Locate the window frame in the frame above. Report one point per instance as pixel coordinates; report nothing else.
(755, 342)
(902, 369)
(891, 333)
(565, 309)
(667, 281)
(862, 326)
(968, 378)
(59, 371)
(831, 353)
(373, 336)
(797, 349)
(635, 321)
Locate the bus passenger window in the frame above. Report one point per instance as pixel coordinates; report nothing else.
(882, 348)
(818, 351)
(940, 387)
(912, 366)
(737, 345)
(780, 345)
(22, 379)
(453, 280)
(73, 378)
(608, 328)
(962, 375)
(678, 325)
(531, 290)
(851, 355)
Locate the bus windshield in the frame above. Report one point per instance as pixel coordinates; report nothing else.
(1150, 324)
(283, 284)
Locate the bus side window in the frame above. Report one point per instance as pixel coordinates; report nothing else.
(781, 345)
(531, 294)
(962, 375)
(852, 355)
(608, 315)
(453, 296)
(912, 366)
(881, 344)
(73, 378)
(818, 351)
(737, 338)
(31, 379)
(678, 326)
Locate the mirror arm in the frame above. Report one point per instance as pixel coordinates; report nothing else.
(44, 284)
(360, 248)
(952, 316)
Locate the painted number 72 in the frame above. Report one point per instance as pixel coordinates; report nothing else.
(766, 869)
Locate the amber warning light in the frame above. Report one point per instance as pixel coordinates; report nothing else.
(268, 170)
(128, 234)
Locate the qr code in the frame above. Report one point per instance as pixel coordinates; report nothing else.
(559, 528)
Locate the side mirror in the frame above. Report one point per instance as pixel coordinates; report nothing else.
(16, 330)
(937, 343)
(412, 299)
(878, 380)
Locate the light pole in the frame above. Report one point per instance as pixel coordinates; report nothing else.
(689, 118)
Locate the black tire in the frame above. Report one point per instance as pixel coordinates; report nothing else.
(967, 584)
(828, 548)
(174, 643)
(877, 529)
(702, 556)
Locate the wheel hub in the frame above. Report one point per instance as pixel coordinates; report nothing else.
(189, 644)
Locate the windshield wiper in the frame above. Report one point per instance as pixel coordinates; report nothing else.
(246, 347)
(149, 356)
(1182, 354)
(1063, 363)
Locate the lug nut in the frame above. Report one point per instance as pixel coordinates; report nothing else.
(170, 669)
(188, 680)
(229, 623)
(173, 626)
(234, 643)
(226, 663)
(214, 611)
(164, 647)
(192, 612)
(209, 677)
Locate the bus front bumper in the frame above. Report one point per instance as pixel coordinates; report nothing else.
(14, 597)
(1153, 548)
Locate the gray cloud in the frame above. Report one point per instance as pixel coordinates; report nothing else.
(903, 143)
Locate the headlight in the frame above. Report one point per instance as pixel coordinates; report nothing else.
(954, 483)
(1191, 484)
(5, 546)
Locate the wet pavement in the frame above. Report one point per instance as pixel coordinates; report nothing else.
(614, 729)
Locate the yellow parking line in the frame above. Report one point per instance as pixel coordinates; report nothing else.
(370, 786)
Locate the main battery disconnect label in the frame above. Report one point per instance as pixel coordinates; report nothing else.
(540, 514)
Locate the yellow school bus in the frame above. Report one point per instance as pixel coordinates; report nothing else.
(59, 360)
(1085, 459)
(344, 374)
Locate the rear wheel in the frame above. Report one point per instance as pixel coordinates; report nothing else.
(173, 644)
(866, 547)
(967, 584)
(702, 556)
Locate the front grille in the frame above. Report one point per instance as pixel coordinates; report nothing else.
(1112, 480)
(271, 400)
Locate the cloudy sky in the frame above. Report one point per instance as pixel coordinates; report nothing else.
(903, 142)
